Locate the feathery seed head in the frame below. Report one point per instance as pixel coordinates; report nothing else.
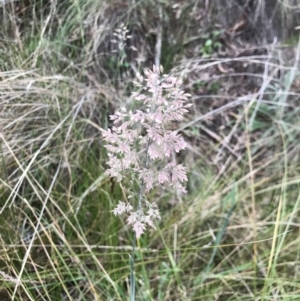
(141, 143)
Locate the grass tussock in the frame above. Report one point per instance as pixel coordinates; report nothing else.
(235, 236)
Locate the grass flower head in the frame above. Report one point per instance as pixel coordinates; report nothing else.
(142, 143)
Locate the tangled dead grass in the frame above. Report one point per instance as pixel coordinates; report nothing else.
(235, 236)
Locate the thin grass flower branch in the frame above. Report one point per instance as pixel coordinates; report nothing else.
(141, 144)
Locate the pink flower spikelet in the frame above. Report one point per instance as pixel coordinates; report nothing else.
(142, 143)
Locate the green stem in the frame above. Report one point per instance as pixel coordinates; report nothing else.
(131, 264)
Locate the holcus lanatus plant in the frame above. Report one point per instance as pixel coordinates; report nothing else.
(141, 145)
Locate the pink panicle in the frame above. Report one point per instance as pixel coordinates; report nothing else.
(140, 143)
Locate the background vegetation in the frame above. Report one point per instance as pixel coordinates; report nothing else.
(236, 235)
